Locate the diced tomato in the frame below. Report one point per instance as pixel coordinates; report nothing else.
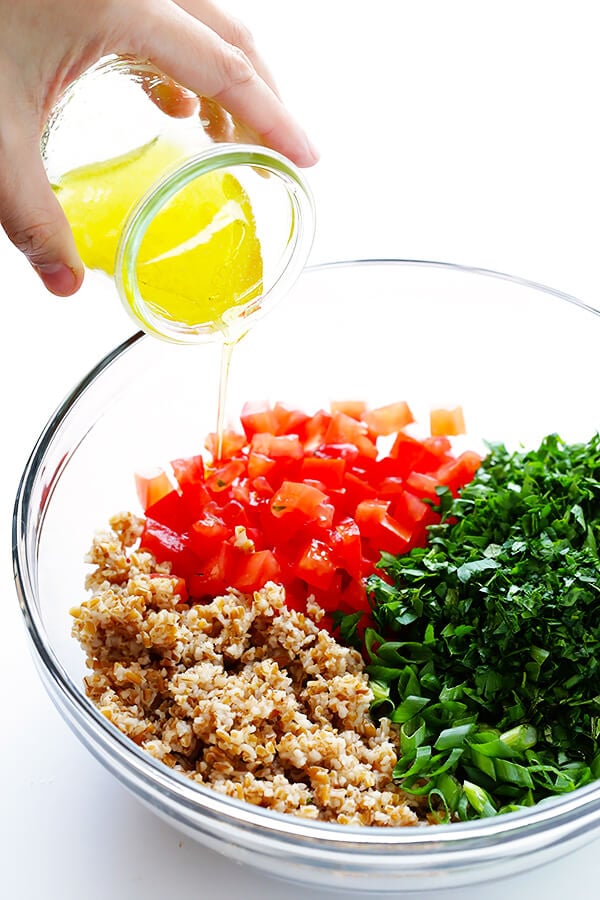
(447, 421)
(438, 445)
(408, 452)
(232, 443)
(189, 473)
(423, 485)
(388, 419)
(353, 408)
(285, 446)
(169, 546)
(262, 486)
(259, 465)
(410, 509)
(370, 513)
(330, 472)
(234, 513)
(222, 477)
(189, 470)
(151, 486)
(253, 570)
(356, 490)
(316, 501)
(344, 430)
(314, 429)
(347, 547)
(347, 452)
(295, 496)
(256, 417)
(289, 421)
(375, 522)
(207, 532)
(391, 487)
(459, 472)
(315, 564)
(216, 574)
(170, 510)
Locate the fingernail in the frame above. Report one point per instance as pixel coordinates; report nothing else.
(58, 278)
(312, 152)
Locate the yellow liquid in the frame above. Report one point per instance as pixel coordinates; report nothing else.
(200, 256)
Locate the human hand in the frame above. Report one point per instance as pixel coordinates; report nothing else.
(46, 44)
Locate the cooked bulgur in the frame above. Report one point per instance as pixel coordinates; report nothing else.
(240, 694)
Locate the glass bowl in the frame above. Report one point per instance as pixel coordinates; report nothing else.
(519, 357)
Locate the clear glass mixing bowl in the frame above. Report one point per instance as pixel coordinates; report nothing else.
(519, 357)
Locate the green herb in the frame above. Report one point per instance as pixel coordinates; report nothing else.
(486, 646)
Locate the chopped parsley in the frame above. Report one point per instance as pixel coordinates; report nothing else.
(485, 649)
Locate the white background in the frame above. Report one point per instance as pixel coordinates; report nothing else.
(458, 131)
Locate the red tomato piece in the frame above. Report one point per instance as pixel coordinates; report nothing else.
(169, 546)
(206, 532)
(353, 408)
(438, 445)
(370, 513)
(315, 564)
(294, 496)
(231, 445)
(459, 472)
(263, 486)
(355, 491)
(151, 486)
(289, 421)
(408, 452)
(315, 428)
(388, 419)
(257, 417)
(223, 477)
(330, 472)
(391, 487)
(423, 485)
(285, 446)
(233, 513)
(344, 430)
(386, 532)
(347, 452)
(347, 546)
(170, 510)
(216, 574)
(253, 570)
(447, 421)
(259, 465)
(189, 470)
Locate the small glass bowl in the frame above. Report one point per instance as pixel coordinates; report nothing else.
(519, 357)
(122, 106)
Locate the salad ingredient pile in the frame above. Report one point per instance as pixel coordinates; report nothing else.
(241, 694)
(306, 501)
(486, 651)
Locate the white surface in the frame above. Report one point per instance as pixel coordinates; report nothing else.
(464, 132)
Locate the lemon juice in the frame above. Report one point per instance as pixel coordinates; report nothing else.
(200, 256)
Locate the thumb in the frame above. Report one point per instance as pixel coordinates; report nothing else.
(34, 220)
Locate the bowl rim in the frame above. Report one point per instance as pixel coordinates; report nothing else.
(581, 806)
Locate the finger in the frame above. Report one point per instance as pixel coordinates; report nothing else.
(33, 219)
(170, 97)
(195, 56)
(231, 30)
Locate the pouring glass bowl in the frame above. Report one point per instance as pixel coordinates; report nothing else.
(202, 229)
